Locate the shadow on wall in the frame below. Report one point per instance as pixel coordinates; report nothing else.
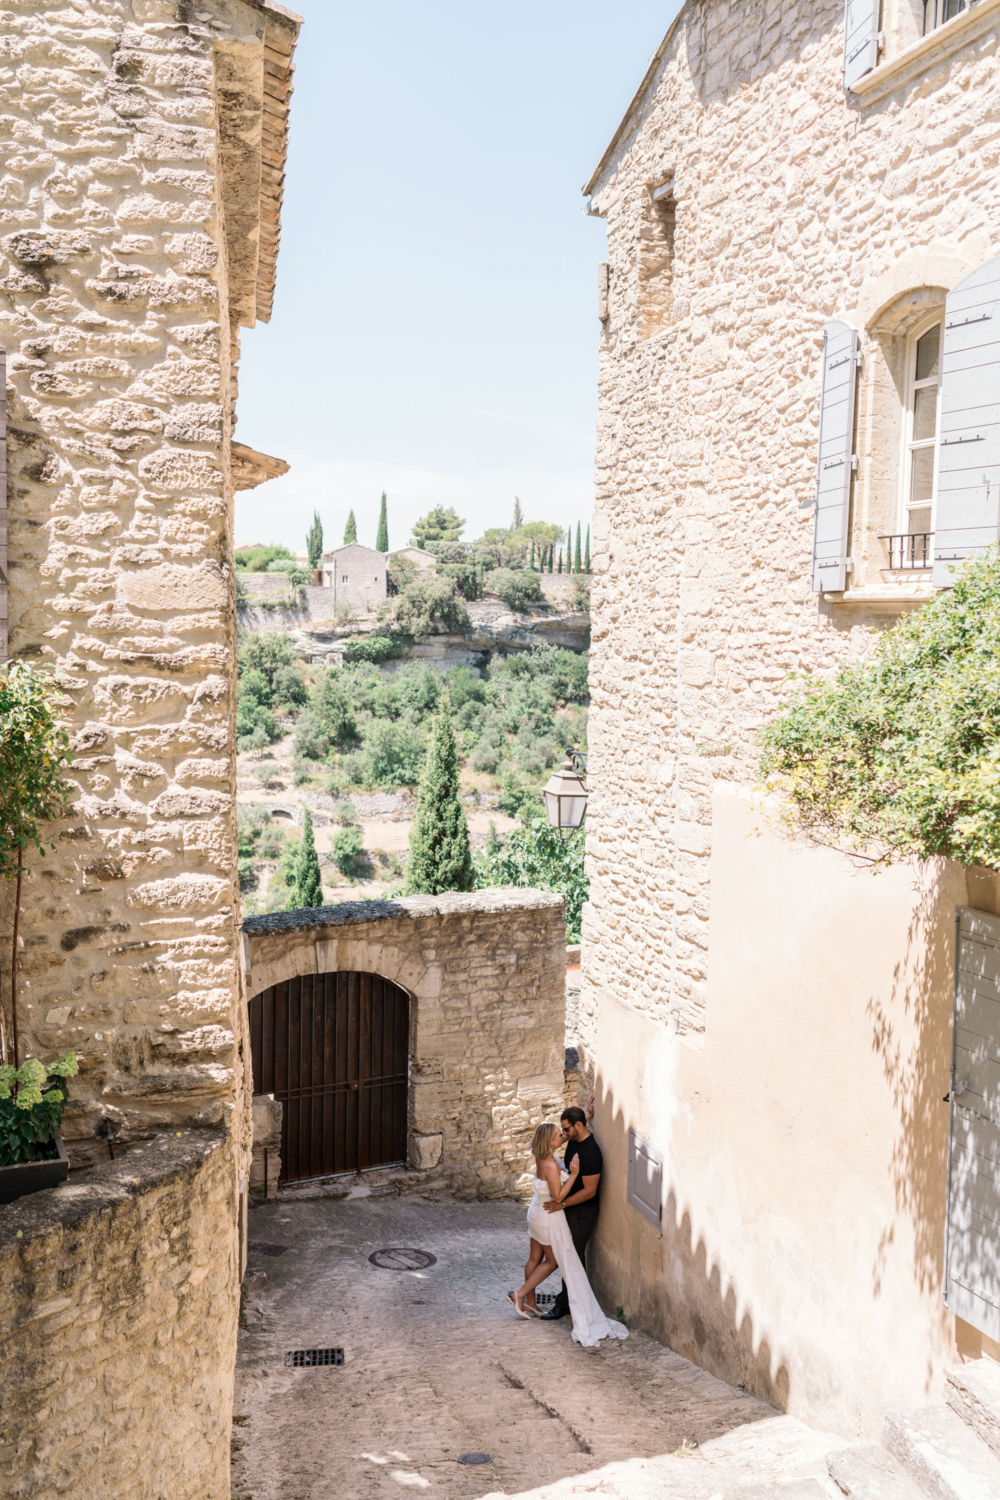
(689, 1309)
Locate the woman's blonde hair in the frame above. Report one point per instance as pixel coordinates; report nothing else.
(541, 1141)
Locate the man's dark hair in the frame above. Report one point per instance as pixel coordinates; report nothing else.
(574, 1115)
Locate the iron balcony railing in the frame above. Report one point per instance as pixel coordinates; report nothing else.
(910, 550)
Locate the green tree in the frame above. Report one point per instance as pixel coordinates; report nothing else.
(439, 525)
(559, 569)
(258, 559)
(428, 600)
(518, 519)
(899, 755)
(382, 539)
(308, 882)
(440, 859)
(350, 530)
(551, 555)
(314, 541)
(577, 560)
(34, 750)
(535, 856)
(532, 557)
(347, 849)
(586, 558)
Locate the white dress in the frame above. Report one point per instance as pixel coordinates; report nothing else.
(589, 1323)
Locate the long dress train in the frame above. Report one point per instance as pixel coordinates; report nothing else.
(589, 1323)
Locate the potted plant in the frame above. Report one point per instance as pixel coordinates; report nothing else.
(32, 1100)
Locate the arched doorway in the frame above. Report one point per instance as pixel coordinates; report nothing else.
(334, 1048)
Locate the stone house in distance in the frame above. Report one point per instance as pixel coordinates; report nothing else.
(802, 299)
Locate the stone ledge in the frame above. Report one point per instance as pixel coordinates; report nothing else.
(150, 1164)
(353, 913)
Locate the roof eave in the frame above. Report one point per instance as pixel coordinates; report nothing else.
(637, 98)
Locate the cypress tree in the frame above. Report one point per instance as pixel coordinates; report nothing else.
(559, 569)
(308, 884)
(518, 518)
(532, 557)
(577, 560)
(586, 558)
(552, 552)
(382, 540)
(439, 842)
(314, 541)
(350, 530)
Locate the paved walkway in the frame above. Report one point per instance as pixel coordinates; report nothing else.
(437, 1365)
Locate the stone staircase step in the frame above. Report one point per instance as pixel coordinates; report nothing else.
(944, 1456)
(870, 1474)
(973, 1392)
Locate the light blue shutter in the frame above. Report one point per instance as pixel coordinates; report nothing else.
(860, 39)
(836, 457)
(972, 1249)
(968, 479)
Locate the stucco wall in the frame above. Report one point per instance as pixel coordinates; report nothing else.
(486, 973)
(119, 1296)
(791, 204)
(129, 248)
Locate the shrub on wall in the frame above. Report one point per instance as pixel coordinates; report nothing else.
(536, 856)
(899, 756)
(516, 587)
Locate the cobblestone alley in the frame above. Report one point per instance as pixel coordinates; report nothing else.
(437, 1366)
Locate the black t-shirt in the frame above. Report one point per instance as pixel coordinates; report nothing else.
(591, 1165)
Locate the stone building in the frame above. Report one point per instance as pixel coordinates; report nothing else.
(139, 219)
(802, 280)
(356, 575)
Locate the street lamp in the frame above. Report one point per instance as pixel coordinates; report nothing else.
(565, 793)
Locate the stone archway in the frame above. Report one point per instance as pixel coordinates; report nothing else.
(485, 974)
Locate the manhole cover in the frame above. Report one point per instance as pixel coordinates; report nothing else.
(259, 1247)
(311, 1359)
(403, 1260)
(475, 1458)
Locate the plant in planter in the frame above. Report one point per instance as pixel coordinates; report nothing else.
(32, 1100)
(34, 749)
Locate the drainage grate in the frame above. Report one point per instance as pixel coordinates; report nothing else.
(260, 1247)
(475, 1458)
(545, 1299)
(311, 1359)
(403, 1260)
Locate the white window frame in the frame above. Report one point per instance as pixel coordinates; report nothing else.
(909, 446)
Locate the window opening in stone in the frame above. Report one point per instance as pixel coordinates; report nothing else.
(921, 435)
(936, 12)
(656, 260)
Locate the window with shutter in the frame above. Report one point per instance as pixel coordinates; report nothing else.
(860, 39)
(836, 457)
(968, 477)
(972, 1248)
(645, 1179)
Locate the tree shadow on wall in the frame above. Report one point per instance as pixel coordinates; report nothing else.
(911, 1034)
(695, 1310)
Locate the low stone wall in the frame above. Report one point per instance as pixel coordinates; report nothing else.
(119, 1297)
(486, 973)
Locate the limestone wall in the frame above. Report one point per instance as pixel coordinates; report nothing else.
(119, 1296)
(791, 203)
(131, 250)
(486, 973)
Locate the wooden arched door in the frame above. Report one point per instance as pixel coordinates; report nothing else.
(334, 1048)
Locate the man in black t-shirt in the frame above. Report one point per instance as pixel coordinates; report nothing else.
(583, 1206)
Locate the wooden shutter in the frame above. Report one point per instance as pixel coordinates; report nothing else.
(836, 457)
(860, 39)
(645, 1179)
(968, 478)
(972, 1251)
(3, 504)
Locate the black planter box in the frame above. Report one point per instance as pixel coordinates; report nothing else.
(33, 1176)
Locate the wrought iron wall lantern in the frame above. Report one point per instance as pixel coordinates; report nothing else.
(565, 793)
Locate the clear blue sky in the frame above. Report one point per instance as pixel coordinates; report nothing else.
(435, 327)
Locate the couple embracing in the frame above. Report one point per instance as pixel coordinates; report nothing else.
(561, 1218)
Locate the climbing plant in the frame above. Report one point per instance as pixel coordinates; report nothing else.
(898, 756)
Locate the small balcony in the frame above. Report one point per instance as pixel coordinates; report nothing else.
(909, 551)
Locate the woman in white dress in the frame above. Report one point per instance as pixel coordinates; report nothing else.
(552, 1246)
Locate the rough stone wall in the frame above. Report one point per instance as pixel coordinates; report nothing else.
(115, 1295)
(791, 204)
(131, 183)
(486, 973)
